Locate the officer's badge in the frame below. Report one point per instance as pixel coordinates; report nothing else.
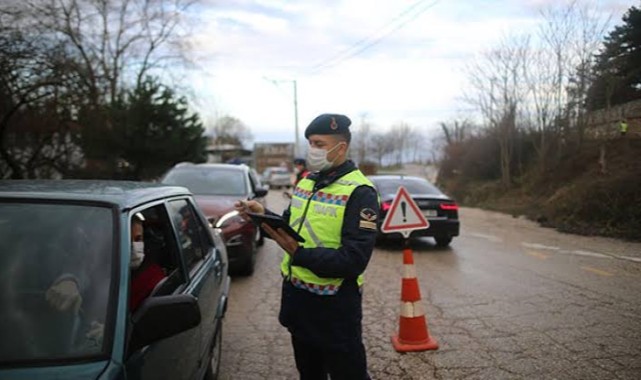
(333, 124)
(368, 219)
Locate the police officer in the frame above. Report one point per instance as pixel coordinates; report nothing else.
(335, 210)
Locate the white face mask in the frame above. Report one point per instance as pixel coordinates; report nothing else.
(137, 254)
(317, 158)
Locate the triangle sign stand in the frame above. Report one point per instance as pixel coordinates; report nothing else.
(404, 215)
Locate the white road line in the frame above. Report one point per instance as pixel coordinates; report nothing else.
(492, 238)
(579, 252)
(540, 246)
(629, 258)
(591, 254)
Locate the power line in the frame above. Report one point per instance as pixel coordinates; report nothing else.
(405, 17)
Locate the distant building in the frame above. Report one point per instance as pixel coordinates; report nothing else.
(230, 153)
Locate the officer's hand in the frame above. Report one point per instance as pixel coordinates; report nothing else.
(286, 242)
(64, 295)
(243, 207)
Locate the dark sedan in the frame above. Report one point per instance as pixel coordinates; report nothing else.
(440, 210)
(216, 188)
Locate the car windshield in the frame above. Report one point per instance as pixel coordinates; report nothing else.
(55, 279)
(280, 171)
(412, 185)
(208, 181)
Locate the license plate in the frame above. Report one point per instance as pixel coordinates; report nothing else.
(429, 213)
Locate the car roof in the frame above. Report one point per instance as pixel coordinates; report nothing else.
(394, 177)
(125, 194)
(185, 165)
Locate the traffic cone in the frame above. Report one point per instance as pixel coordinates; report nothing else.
(413, 334)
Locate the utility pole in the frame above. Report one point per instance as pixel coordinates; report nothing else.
(275, 82)
(296, 148)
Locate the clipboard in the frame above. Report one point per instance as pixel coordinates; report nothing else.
(275, 222)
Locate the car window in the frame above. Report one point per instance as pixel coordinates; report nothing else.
(160, 247)
(208, 180)
(412, 185)
(281, 171)
(192, 241)
(55, 278)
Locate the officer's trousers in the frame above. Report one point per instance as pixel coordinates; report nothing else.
(313, 362)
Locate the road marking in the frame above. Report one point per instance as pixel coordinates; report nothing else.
(629, 258)
(597, 271)
(492, 238)
(540, 246)
(538, 255)
(590, 254)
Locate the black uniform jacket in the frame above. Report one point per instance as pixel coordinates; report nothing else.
(333, 320)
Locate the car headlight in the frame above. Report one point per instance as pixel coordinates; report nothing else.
(226, 219)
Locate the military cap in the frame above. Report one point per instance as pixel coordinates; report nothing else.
(329, 124)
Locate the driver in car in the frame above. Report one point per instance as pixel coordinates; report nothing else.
(64, 294)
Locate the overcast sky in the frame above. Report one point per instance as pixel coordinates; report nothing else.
(388, 61)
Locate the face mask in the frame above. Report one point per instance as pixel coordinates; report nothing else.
(317, 158)
(137, 254)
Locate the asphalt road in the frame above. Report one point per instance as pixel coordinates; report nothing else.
(507, 300)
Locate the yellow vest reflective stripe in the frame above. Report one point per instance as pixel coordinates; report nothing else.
(319, 219)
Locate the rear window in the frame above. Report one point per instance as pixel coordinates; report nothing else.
(208, 181)
(413, 186)
(55, 278)
(280, 171)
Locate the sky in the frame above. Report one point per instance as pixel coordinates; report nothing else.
(383, 62)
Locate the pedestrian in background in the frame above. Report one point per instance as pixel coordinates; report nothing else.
(300, 170)
(335, 210)
(623, 127)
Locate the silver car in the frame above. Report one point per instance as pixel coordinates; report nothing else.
(277, 177)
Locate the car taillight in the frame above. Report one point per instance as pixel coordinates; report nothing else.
(449, 206)
(386, 205)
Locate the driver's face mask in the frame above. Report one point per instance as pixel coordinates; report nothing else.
(137, 254)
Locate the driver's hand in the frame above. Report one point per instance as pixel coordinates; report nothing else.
(64, 295)
(243, 207)
(96, 332)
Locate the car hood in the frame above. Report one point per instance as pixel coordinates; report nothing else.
(216, 205)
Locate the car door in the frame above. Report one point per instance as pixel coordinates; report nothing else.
(206, 268)
(177, 357)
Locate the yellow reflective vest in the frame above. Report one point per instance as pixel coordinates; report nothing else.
(318, 217)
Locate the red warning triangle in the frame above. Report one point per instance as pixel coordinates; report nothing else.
(404, 215)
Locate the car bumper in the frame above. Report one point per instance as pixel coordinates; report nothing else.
(438, 227)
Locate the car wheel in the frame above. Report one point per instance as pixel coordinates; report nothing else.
(443, 241)
(216, 351)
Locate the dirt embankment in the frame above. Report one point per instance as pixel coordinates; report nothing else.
(596, 191)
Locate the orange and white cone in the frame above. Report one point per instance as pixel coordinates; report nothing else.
(413, 334)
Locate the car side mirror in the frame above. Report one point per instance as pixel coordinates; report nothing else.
(161, 317)
(261, 192)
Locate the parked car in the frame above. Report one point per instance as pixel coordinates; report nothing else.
(216, 188)
(440, 210)
(277, 177)
(78, 233)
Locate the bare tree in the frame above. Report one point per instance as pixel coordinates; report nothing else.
(558, 77)
(381, 147)
(498, 90)
(230, 130)
(361, 136)
(35, 100)
(115, 41)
